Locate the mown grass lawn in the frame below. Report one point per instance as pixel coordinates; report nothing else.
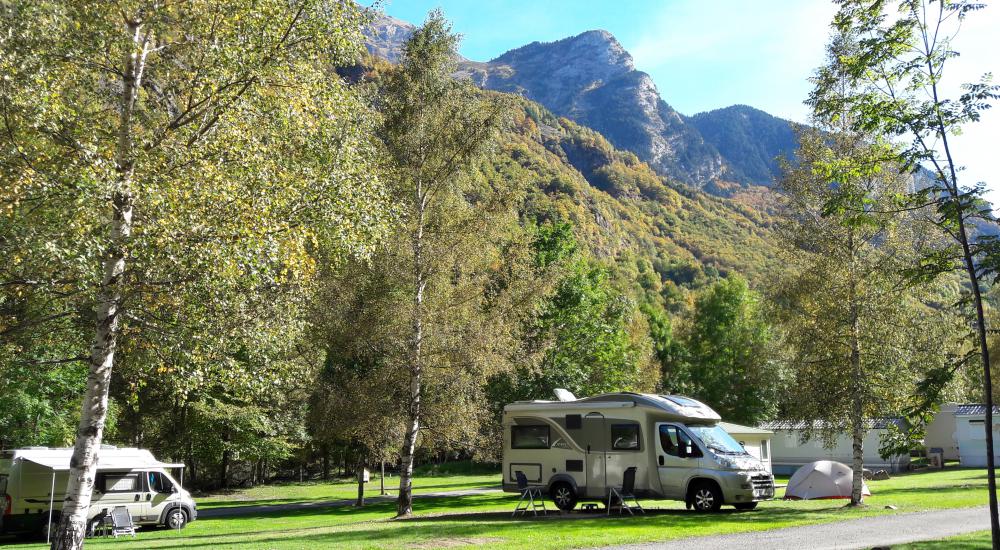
(971, 541)
(484, 519)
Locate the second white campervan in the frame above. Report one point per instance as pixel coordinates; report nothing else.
(33, 485)
(578, 449)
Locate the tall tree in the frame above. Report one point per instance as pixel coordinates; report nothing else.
(436, 130)
(725, 353)
(847, 315)
(894, 71)
(158, 153)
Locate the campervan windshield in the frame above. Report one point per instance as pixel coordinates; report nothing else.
(717, 439)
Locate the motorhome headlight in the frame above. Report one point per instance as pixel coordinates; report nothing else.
(726, 462)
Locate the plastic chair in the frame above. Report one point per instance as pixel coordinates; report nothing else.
(121, 522)
(528, 496)
(625, 494)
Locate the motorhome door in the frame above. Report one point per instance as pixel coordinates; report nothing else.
(594, 440)
(676, 456)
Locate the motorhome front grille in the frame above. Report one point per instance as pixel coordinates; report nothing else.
(763, 483)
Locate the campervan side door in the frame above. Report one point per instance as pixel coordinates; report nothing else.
(594, 439)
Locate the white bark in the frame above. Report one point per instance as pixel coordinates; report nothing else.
(83, 464)
(857, 414)
(404, 504)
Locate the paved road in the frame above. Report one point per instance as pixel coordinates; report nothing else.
(252, 509)
(861, 533)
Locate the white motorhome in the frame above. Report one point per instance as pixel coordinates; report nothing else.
(33, 485)
(578, 449)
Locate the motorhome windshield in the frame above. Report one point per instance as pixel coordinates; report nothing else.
(717, 439)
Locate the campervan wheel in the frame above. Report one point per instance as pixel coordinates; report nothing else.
(706, 497)
(563, 495)
(176, 518)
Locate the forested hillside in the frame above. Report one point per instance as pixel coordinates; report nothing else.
(622, 210)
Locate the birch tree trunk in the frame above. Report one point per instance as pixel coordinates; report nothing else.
(857, 383)
(83, 464)
(404, 504)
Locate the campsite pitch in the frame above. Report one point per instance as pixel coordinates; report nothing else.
(484, 519)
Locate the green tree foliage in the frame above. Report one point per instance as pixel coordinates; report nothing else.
(724, 354)
(448, 268)
(859, 337)
(886, 79)
(167, 167)
(583, 328)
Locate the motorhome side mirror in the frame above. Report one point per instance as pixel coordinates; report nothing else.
(173, 489)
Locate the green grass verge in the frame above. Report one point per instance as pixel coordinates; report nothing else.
(970, 541)
(310, 491)
(484, 519)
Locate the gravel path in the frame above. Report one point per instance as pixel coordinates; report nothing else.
(871, 532)
(252, 509)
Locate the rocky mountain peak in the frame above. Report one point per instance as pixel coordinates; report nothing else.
(595, 51)
(591, 79)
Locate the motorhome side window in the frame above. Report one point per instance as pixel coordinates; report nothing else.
(529, 437)
(625, 437)
(121, 483)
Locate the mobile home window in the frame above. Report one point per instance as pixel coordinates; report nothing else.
(763, 449)
(625, 437)
(529, 437)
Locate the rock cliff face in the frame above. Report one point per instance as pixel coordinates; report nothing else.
(386, 37)
(592, 80)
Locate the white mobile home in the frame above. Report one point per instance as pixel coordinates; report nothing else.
(970, 433)
(941, 432)
(756, 441)
(579, 449)
(33, 485)
(789, 450)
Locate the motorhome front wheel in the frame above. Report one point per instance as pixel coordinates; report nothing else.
(176, 519)
(706, 497)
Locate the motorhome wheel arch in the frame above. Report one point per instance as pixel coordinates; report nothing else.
(578, 449)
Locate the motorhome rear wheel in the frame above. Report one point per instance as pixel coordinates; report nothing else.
(563, 495)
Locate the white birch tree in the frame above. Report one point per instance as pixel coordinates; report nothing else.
(155, 148)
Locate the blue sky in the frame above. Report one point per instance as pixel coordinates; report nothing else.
(705, 55)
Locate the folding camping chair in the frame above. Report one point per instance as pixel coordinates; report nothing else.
(529, 493)
(121, 522)
(625, 494)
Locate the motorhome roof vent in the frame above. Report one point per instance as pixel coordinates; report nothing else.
(564, 395)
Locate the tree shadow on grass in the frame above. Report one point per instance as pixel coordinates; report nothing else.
(337, 500)
(498, 526)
